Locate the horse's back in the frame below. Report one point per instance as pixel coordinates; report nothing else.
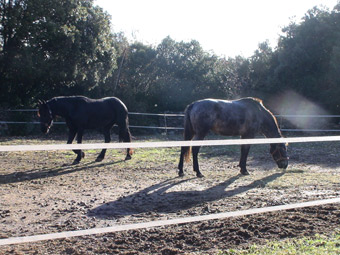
(225, 117)
(108, 108)
(92, 113)
(82, 103)
(233, 107)
(108, 104)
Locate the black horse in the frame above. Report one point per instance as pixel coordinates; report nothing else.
(244, 117)
(82, 113)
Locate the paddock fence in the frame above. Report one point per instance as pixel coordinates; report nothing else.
(153, 224)
(167, 122)
(167, 126)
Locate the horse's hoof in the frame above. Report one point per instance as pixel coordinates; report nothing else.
(245, 172)
(128, 157)
(180, 174)
(76, 162)
(99, 159)
(199, 175)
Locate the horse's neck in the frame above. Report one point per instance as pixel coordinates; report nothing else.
(57, 108)
(270, 128)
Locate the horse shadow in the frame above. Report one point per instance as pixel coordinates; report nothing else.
(51, 172)
(159, 199)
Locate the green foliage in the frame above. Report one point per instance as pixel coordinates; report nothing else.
(50, 48)
(305, 60)
(316, 245)
(174, 74)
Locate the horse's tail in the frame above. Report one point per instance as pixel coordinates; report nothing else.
(188, 132)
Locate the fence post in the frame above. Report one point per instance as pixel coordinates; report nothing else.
(165, 124)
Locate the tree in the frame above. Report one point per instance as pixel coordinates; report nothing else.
(306, 55)
(174, 74)
(187, 73)
(52, 47)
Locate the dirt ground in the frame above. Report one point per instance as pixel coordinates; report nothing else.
(42, 192)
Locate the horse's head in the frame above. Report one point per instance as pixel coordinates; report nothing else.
(45, 116)
(279, 153)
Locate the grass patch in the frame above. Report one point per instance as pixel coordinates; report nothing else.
(316, 245)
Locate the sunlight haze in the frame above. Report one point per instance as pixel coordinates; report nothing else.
(227, 28)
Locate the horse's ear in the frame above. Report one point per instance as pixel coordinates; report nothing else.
(37, 105)
(41, 102)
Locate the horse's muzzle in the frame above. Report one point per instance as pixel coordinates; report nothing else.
(45, 128)
(283, 163)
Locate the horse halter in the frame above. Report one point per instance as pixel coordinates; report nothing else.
(50, 115)
(277, 150)
(50, 112)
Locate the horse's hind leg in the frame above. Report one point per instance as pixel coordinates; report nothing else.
(107, 137)
(184, 150)
(127, 139)
(195, 150)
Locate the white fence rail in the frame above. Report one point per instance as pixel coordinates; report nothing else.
(162, 223)
(167, 144)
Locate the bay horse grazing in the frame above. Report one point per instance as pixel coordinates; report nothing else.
(82, 113)
(243, 117)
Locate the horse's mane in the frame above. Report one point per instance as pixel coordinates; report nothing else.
(259, 102)
(252, 100)
(264, 109)
(68, 97)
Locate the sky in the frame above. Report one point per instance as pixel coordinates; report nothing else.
(225, 27)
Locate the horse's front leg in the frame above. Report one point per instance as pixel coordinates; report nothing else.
(107, 138)
(79, 153)
(243, 160)
(71, 135)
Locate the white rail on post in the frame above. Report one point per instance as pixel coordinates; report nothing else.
(42, 147)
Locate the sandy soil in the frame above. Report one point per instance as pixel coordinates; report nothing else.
(41, 192)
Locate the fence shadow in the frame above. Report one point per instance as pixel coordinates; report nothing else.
(156, 198)
(51, 172)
